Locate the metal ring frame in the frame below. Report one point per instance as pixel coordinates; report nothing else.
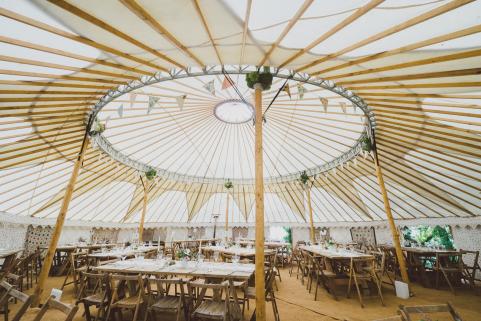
(100, 141)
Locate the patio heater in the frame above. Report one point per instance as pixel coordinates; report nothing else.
(215, 217)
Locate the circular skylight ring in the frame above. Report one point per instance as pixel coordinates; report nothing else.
(234, 111)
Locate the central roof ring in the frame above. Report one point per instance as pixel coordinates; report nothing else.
(100, 141)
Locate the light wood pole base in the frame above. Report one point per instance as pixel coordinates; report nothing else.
(390, 218)
(311, 219)
(259, 194)
(227, 217)
(48, 260)
(146, 186)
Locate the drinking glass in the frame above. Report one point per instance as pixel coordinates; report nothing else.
(200, 258)
(235, 259)
(216, 256)
(160, 255)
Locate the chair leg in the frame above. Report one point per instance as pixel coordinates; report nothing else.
(449, 282)
(358, 290)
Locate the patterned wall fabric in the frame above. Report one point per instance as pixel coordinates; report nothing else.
(364, 235)
(37, 236)
(240, 233)
(99, 235)
(196, 233)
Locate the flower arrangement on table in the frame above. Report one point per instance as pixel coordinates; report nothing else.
(183, 254)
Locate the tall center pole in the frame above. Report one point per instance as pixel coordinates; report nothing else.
(145, 184)
(47, 262)
(311, 220)
(227, 217)
(390, 218)
(259, 191)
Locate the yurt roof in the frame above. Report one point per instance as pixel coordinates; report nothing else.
(167, 79)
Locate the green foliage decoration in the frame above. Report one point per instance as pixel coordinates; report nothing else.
(151, 174)
(264, 78)
(228, 184)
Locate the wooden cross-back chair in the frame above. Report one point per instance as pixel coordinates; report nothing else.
(78, 264)
(95, 291)
(269, 278)
(8, 264)
(216, 307)
(450, 266)
(362, 270)
(323, 276)
(8, 291)
(470, 269)
(68, 310)
(160, 302)
(128, 294)
(407, 312)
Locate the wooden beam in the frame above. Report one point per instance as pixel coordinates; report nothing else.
(146, 186)
(101, 24)
(357, 14)
(410, 64)
(47, 263)
(424, 43)
(311, 219)
(427, 75)
(390, 218)
(227, 216)
(395, 29)
(140, 12)
(245, 30)
(207, 29)
(259, 193)
(286, 30)
(62, 33)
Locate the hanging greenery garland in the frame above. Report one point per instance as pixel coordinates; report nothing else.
(366, 144)
(97, 127)
(303, 178)
(228, 184)
(264, 78)
(151, 174)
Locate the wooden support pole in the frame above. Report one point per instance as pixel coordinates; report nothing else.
(47, 262)
(145, 184)
(311, 219)
(227, 217)
(390, 218)
(259, 193)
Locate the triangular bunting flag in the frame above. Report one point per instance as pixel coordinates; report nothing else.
(120, 110)
(152, 101)
(132, 99)
(300, 91)
(226, 83)
(210, 87)
(287, 90)
(324, 103)
(343, 106)
(180, 101)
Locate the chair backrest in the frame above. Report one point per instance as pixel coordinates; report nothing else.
(127, 285)
(470, 259)
(158, 288)
(8, 263)
(78, 260)
(95, 283)
(69, 310)
(201, 288)
(408, 311)
(10, 292)
(450, 259)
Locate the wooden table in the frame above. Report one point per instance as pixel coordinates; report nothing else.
(339, 254)
(117, 254)
(4, 253)
(191, 268)
(270, 245)
(242, 252)
(62, 255)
